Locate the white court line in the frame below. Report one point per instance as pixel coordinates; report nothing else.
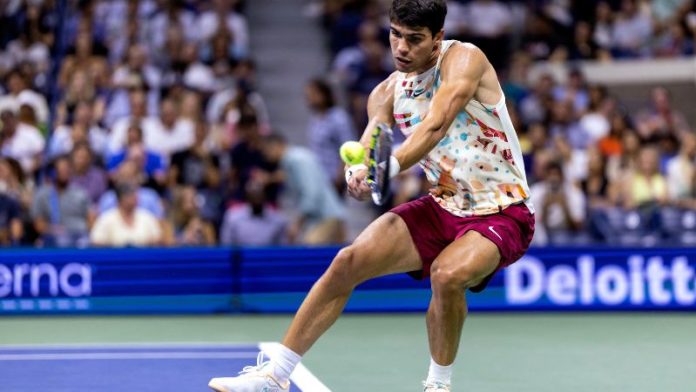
(112, 356)
(126, 345)
(302, 377)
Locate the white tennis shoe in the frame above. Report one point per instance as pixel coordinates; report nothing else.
(435, 387)
(257, 378)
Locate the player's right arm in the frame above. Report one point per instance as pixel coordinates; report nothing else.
(380, 109)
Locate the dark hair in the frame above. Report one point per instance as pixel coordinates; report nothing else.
(324, 89)
(419, 13)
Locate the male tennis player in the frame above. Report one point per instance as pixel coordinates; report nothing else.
(445, 97)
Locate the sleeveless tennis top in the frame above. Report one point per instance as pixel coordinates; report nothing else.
(477, 168)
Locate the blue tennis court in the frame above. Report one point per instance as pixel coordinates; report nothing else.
(142, 368)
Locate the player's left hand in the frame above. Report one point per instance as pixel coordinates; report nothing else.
(357, 184)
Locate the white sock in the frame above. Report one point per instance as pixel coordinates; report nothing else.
(439, 373)
(284, 361)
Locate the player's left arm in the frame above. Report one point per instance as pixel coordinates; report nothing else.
(461, 72)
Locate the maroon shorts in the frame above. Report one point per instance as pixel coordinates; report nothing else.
(432, 229)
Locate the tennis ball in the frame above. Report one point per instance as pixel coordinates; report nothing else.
(352, 153)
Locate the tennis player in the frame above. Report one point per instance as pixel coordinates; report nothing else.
(445, 97)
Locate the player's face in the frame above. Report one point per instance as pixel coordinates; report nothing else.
(413, 49)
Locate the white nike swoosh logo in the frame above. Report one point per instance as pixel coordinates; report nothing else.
(494, 232)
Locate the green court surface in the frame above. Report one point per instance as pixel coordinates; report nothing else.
(513, 352)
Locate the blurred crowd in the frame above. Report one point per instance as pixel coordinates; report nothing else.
(136, 123)
(128, 122)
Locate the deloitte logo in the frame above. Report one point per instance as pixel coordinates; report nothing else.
(72, 280)
(638, 282)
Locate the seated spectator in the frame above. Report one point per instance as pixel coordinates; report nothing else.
(320, 214)
(129, 172)
(82, 128)
(596, 185)
(646, 186)
(560, 208)
(329, 127)
(61, 211)
(253, 222)
(19, 93)
(150, 162)
(189, 227)
(16, 185)
(223, 16)
(11, 229)
(149, 125)
(175, 133)
(620, 166)
(660, 118)
(86, 175)
(631, 31)
(681, 173)
(127, 224)
(188, 167)
(135, 76)
(21, 142)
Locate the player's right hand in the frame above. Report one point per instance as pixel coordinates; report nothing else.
(356, 180)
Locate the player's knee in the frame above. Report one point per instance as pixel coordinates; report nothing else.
(344, 270)
(444, 278)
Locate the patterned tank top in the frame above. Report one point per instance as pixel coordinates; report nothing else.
(477, 167)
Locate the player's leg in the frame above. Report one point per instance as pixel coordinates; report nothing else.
(463, 264)
(384, 247)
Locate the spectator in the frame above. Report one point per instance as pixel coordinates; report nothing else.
(622, 166)
(536, 107)
(175, 133)
(223, 17)
(86, 175)
(189, 227)
(61, 211)
(136, 76)
(681, 172)
(149, 125)
(127, 224)
(646, 187)
(489, 26)
(82, 129)
(19, 93)
(560, 208)
(632, 31)
(661, 118)
(10, 222)
(129, 172)
(319, 212)
(247, 159)
(151, 163)
(564, 123)
(254, 222)
(21, 141)
(188, 167)
(329, 127)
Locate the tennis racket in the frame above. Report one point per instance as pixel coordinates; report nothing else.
(379, 162)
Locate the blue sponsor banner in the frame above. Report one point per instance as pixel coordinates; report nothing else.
(209, 280)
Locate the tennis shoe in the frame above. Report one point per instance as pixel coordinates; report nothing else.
(435, 387)
(257, 378)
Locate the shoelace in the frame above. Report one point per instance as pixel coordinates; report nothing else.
(436, 385)
(260, 363)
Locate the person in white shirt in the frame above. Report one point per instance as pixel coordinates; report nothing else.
(20, 141)
(210, 21)
(562, 207)
(175, 133)
(150, 125)
(19, 93)
(127, 224)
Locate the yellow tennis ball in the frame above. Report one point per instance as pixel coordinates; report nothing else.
(352, 153)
